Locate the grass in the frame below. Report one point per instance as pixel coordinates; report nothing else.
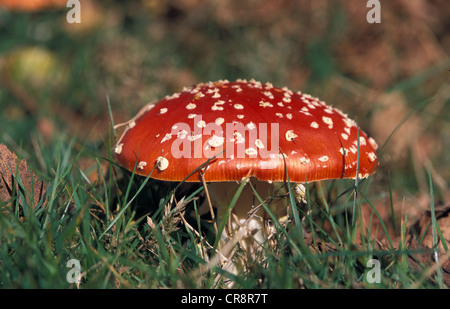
(117, 247)
(128, 231)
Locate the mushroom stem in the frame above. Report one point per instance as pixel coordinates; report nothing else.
(245, 220)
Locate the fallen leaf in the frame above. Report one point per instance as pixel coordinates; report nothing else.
(17, 181)
(422, 229)
(420, 237)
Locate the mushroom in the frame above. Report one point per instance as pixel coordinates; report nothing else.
(244, 130)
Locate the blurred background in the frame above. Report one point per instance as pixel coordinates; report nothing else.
(56, 77)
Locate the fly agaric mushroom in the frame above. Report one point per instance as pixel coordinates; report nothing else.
(246, 129)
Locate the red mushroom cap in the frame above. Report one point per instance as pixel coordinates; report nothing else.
(248, 128)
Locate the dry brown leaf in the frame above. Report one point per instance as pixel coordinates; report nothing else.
(422, 229)
(420, 237)
(14, 172)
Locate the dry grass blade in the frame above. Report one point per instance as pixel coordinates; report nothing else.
(172, 216)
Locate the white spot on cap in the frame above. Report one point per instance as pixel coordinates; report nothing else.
(118, 148)
(343, 151)
(141, 165)
(362, 140)
(269, 85)
(268, 94)
(198, 95)
(348, 122)
(191, 106)
(328, 121)
(190, 116)
(240, 116)
(265, 104)
(173, 96)
(323, 158)
(290, 135)
(201, 124)
(216, 106)
(238, 106)
(344, 136)
(162, 163)
(279, 115)
(239, 166)
(215, 141)
(251, 151)
(182, 134)
(286, 89)
(373, 143)
(304, 161)
(251, 126)
(289, 116)
(163, 110)
(362, 176)
(314, 125)
(372, 157)
(219, 121)
(166, 137)
(259, 144)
